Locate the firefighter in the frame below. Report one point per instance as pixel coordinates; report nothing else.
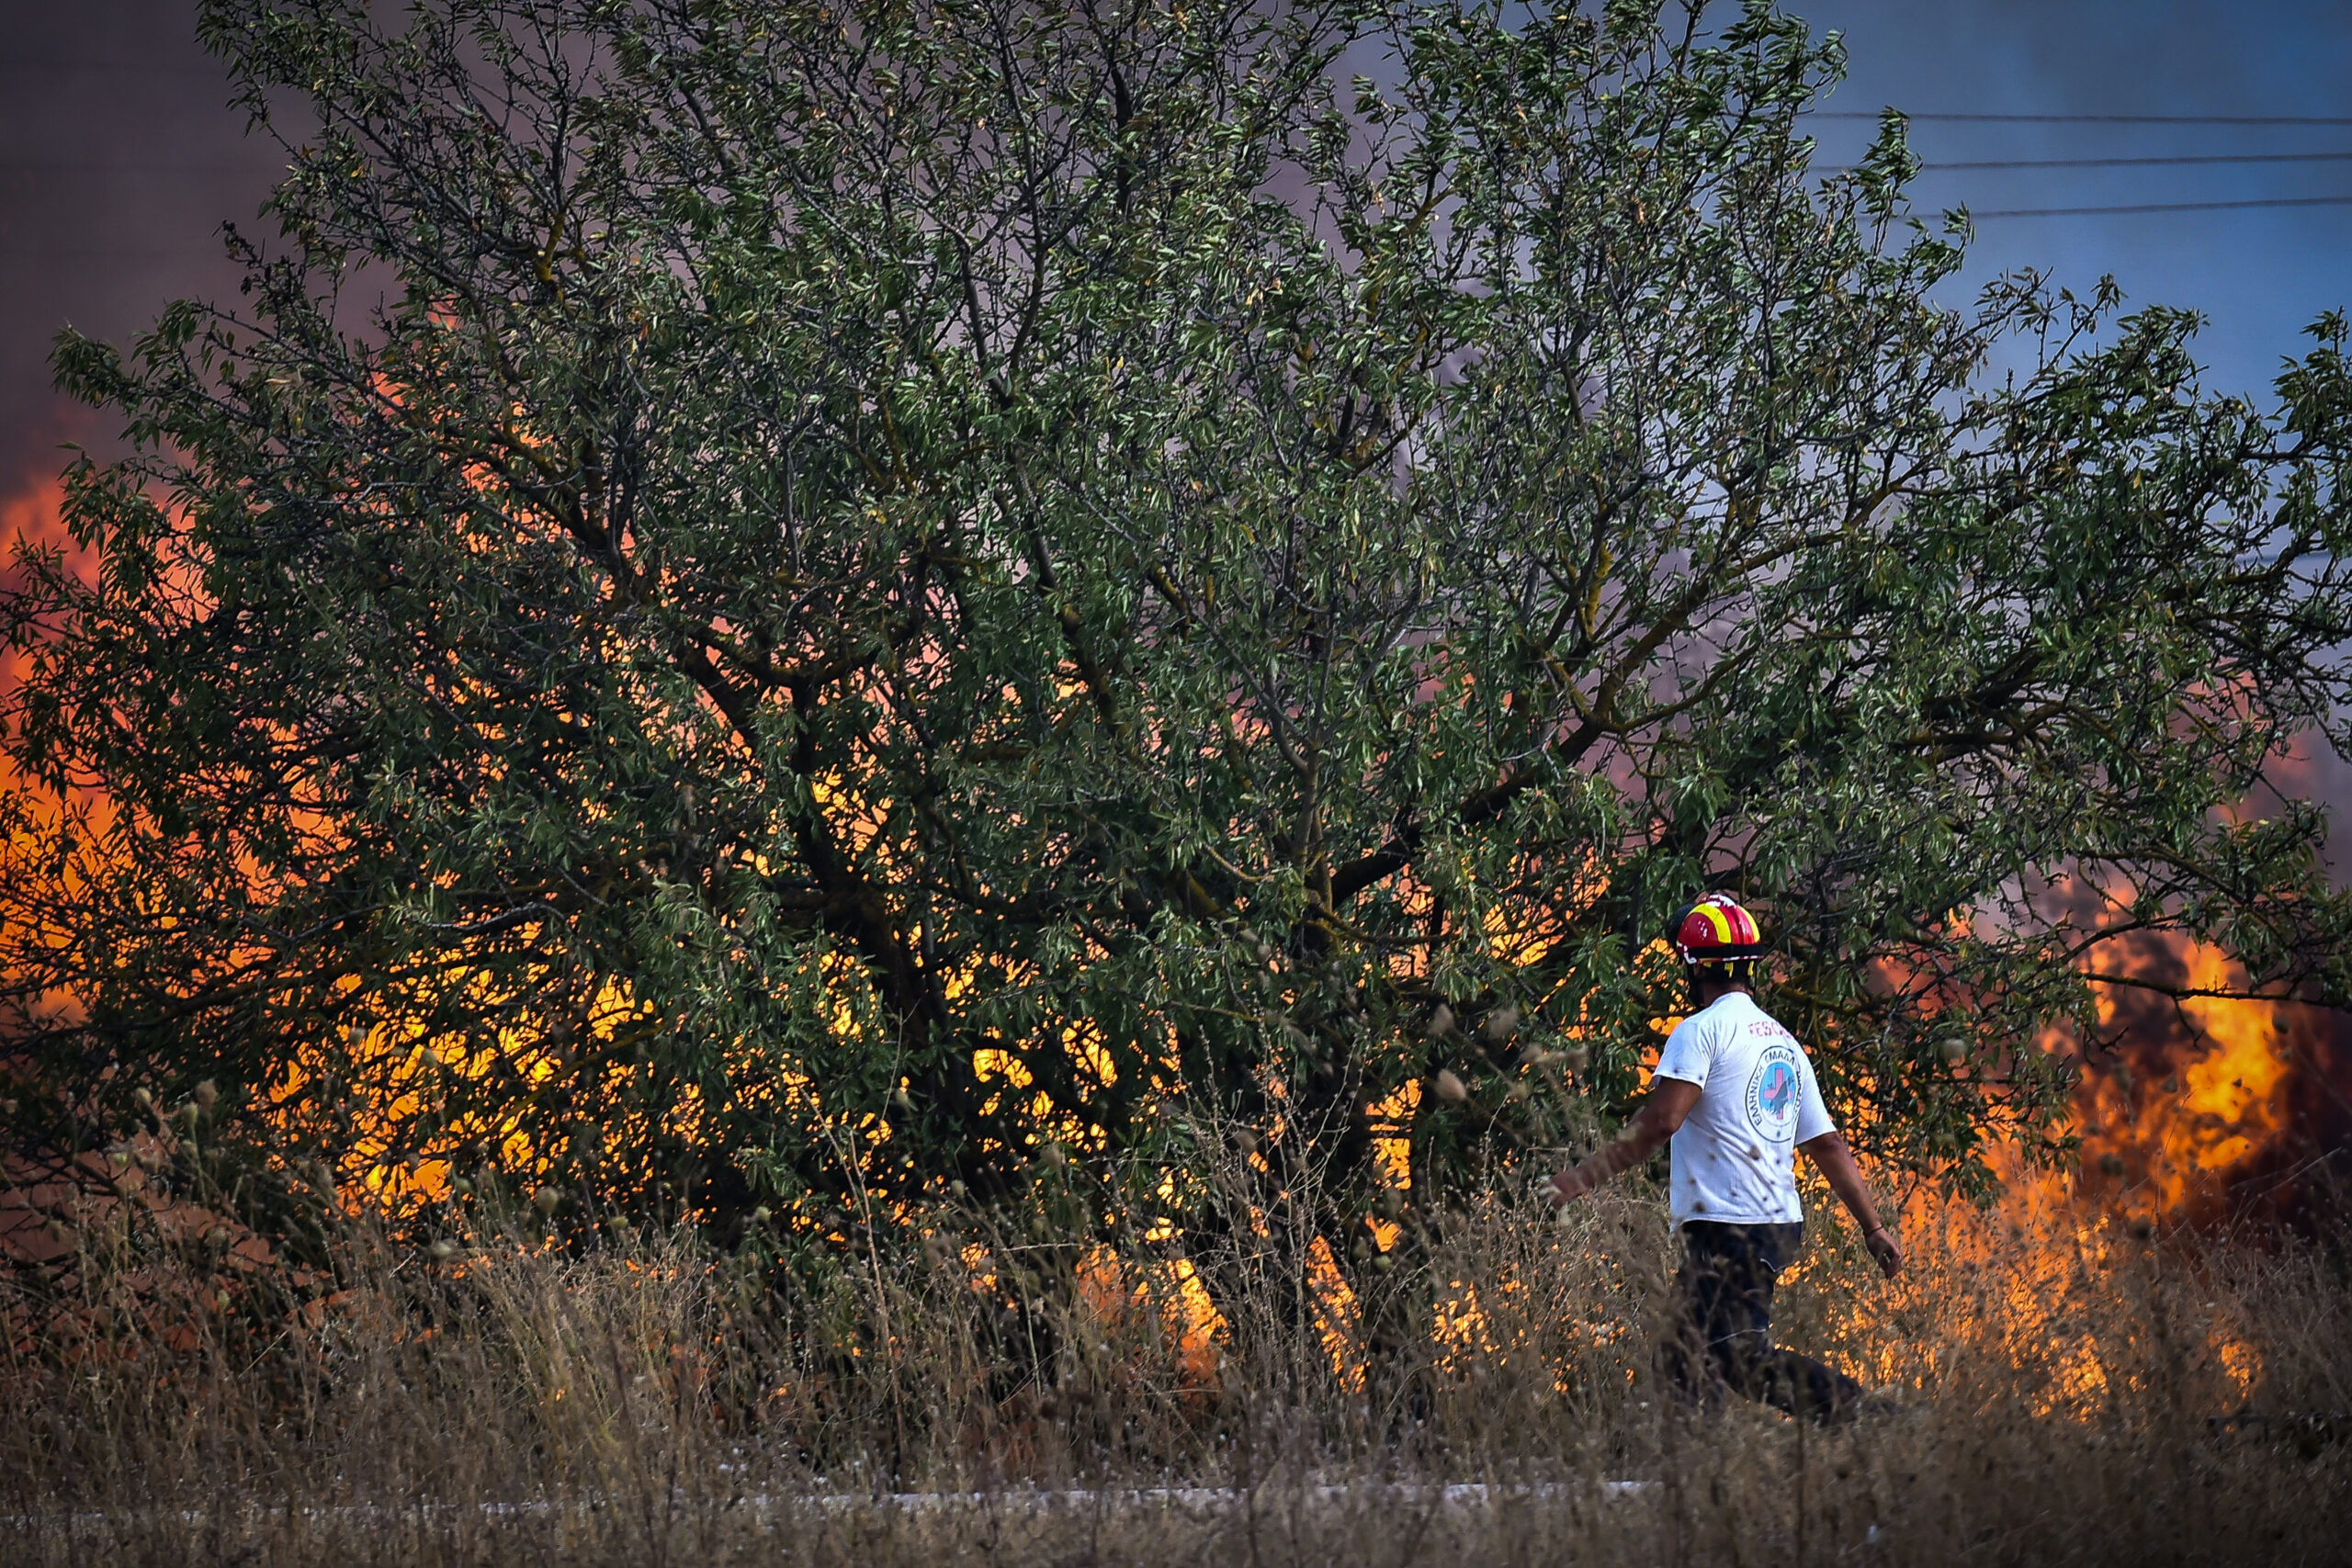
(1734, 1092)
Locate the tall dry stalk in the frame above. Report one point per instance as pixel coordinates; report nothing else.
(2068, 1389)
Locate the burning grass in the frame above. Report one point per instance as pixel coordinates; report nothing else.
(2069, 1388)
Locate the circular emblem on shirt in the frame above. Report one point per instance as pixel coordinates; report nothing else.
(1774, 1086)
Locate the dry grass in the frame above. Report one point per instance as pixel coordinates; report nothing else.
(647, 1403)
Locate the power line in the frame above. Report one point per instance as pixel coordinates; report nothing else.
(2093, 119)
(2167, 206)
(2145, 162)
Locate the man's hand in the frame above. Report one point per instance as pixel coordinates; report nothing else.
(1669, 1102)
(1886, 1248)
(1566, 1186)
(1836, 1162)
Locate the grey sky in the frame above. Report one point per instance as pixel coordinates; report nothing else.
(119, 161)
(2260, 276)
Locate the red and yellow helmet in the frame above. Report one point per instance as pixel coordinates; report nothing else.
(1715, 930)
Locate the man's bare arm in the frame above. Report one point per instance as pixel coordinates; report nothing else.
(1836, 1162)
(1670, 1100)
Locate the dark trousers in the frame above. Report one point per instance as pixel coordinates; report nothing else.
(1722, 1336)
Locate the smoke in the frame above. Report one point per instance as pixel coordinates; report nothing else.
(123, 160)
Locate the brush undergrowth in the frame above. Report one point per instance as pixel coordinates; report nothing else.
(2062, 1389)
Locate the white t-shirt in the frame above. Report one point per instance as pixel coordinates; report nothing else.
(1735, 1155)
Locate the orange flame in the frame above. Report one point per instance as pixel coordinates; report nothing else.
(2199, 1099)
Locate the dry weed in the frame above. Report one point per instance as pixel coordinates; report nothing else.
(2067, 1390)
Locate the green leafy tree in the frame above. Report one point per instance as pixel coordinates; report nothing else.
(781, 604)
